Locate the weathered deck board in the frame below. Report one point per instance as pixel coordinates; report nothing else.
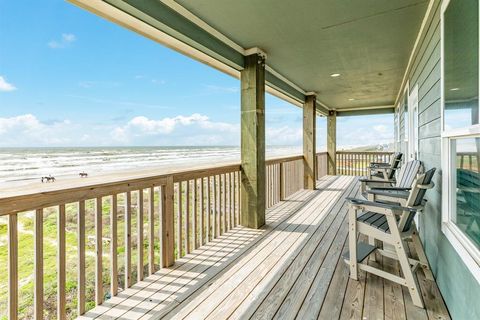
(292, 268)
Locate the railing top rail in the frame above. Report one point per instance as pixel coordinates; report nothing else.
(24, 198)
(366, 152)
(283, 159)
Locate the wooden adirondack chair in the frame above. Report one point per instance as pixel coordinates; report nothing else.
(391, 224)
(405, 178)
(385, 171)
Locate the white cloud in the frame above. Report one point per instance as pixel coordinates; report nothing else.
(65, 40)
(380, 128)
(284, 135)
(27, 130)
(6, 86)
(68, 37)
(364, 131)
(176, 130)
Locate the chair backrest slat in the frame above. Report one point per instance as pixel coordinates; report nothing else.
(394, 164)
(407, 174)
(419, 188)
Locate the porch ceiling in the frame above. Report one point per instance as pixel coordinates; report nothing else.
(367, 42)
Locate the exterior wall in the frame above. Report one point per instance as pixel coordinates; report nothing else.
(459, 288)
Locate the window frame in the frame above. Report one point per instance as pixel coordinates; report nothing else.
(467, 250)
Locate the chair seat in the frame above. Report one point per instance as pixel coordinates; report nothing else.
(378, 175)
(376, 220)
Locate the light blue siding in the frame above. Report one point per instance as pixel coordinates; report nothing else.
(459, 288)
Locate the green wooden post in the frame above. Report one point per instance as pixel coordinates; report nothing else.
(332, 142)
(309, 142)
(253, 141)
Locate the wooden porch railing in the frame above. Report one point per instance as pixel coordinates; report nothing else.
(150, 219)
(468, 160)
(356, 163)
(322, 159)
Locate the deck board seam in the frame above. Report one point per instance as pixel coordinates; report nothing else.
(285, 272)
(287, 264)
(337, 219)
(298, 195)
(299, 214)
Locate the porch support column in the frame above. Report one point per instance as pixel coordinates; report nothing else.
(253, 141)
(332, 142)
(309, 142)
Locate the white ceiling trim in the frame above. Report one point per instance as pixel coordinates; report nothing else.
(365, 108)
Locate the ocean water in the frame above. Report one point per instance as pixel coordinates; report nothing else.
(24, 165)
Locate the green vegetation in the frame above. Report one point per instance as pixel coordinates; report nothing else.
(26, 254)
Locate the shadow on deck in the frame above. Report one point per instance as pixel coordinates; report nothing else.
(292, 268)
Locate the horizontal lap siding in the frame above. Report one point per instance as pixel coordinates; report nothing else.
(457, 285)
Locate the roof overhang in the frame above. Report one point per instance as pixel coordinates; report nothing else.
(172, 24)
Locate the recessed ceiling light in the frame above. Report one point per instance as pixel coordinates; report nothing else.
(334, 75)
(351, 99)
(454, 89)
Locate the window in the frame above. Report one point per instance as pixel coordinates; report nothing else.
(465, 184)
(461, 129)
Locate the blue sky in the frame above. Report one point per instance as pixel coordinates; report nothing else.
(70, 78)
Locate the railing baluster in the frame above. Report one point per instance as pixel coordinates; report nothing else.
(187, 218)
(81, 258)
(202, 211)
(140, 245)
(235, 199)
(208, 222)
(168, 242)
(128, 239)
(239, 193)
(114, 245)
(218, 201)
(230, 207)
(151, 231)
(38, 267)
(179, 219)
(98, 252)
(160, 226)
(61, 264)
(194, 218)
(13, 266)
(224, 203)
(282, 182)
(216, 220)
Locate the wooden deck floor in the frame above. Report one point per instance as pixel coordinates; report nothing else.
(290, 269)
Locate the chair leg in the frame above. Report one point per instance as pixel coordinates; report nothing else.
(372, 242)
(352, 243)
(422, 257)
(411, 281)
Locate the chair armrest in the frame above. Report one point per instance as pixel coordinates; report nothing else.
(379, 165)
(391, 188)
(399, 194)
(366, 180)
(360, 202)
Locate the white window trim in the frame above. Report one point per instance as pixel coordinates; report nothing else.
(464, 247)
(406, 94)
(397, 122)
(413, 141)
